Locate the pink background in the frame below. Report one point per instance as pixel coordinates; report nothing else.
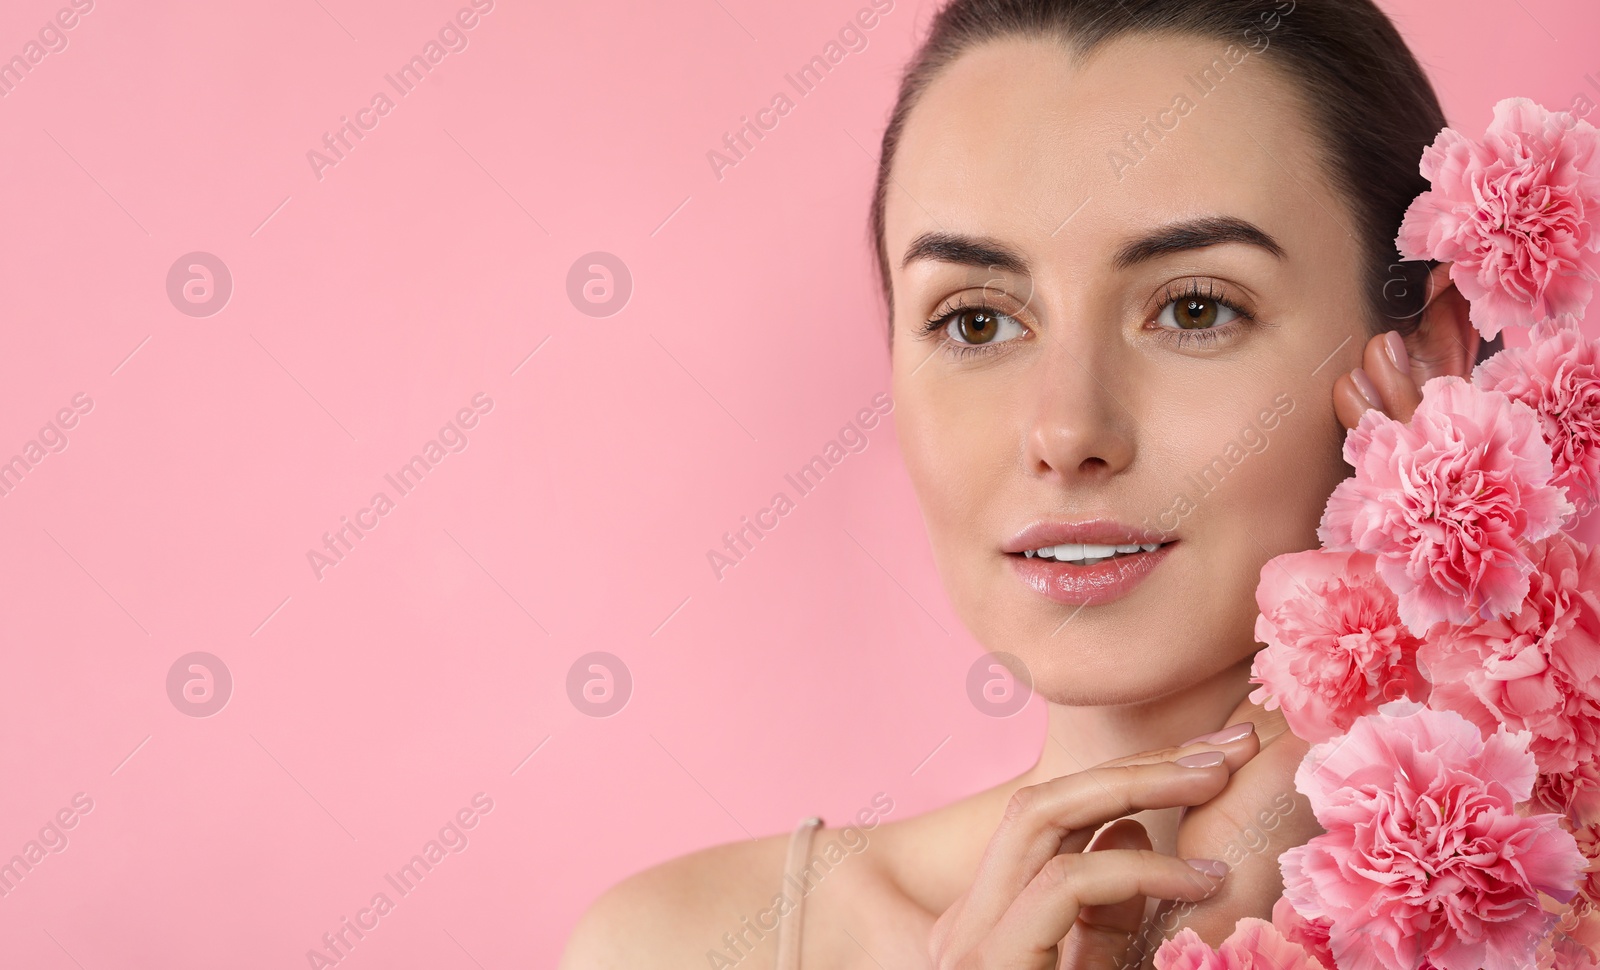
(368, 306)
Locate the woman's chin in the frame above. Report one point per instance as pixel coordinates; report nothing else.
(1077, 673)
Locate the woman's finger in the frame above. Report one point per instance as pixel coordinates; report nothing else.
(1385, 380)
(1354, 394)
(1048, 907)
(1235, 737)
(1103, 933)
(1040, 817)
(1388, 366)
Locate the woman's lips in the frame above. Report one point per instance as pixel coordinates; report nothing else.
(1107, 580)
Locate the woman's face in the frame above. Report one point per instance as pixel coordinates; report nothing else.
(1133, 353)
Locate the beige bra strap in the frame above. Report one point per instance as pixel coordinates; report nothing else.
(793, 886)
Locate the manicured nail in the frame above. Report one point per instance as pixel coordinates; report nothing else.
(1234, 733)
(1397, 352)
(1202, 759)
(1215, 868)
(1366, 387)
(1231, 733)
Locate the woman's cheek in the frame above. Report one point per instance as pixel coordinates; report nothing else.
(1293, 464)
(940, 467)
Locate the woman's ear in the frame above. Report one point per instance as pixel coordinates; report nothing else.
(1445, 341)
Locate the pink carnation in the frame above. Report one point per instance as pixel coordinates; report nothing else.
(1583, 930)
(1562, 952)
(1442, 501)
(1537, 669)
(1587, 902)
(1513, 215)
(1424, 856)
(1558, 376)
(1335, 646)
(1572, 945)
(1254, 944)
(1575, 793)
(1312, 935)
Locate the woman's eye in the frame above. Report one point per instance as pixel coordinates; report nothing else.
(1196, 313)
(977, 325)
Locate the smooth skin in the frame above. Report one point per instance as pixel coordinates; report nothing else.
(1087, 406)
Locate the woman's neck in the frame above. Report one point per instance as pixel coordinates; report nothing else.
(1081, 737)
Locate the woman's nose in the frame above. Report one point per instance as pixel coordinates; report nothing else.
(1079, 419)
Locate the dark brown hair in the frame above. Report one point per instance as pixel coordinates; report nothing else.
(1372, 107)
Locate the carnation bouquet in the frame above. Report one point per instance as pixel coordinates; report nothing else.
(1441, 650)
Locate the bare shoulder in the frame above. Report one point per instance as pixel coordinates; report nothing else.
(721, 906)
(674, 914)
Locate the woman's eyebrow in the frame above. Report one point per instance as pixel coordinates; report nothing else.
(953, 247)
(1188, 234)
(1175, 237)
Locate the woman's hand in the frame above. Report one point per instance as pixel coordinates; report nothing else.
(1039, 900)
(1384, 381)
(1257, 816)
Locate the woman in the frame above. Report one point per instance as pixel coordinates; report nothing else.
(1140, 268)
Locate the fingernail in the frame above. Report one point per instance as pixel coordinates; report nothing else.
(1397, 352)
(1234, 733)
(1231, 733)
(1215, 868)
(1202, 759)
(1366, 387)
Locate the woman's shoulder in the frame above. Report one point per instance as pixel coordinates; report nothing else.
(720, 906)
(679, 910)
